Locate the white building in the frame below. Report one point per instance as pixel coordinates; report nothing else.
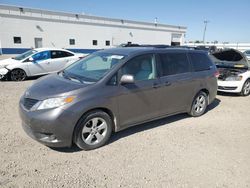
(24, 28)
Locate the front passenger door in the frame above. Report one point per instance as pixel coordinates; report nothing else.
(40, 63)
(139, 101)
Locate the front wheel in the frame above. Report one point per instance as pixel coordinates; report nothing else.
(246, 88)
(18, 75)
(199, 104)
(93, 130)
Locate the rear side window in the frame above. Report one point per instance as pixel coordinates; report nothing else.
(174, 63)
(200, 61)
(60, 54)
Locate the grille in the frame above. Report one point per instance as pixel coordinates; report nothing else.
(227, 88)
(221, 77)
(29, 103)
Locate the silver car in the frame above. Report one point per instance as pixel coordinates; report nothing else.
(114, 89)
(37, 62)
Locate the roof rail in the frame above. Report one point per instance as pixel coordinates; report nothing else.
(145, 45)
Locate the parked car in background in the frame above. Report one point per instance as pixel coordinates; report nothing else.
(247, 53)
(37, 62)
(114, 89)
(234, 71)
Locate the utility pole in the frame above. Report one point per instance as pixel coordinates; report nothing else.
(205, 29)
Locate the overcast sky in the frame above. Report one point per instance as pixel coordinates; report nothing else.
(229, 20)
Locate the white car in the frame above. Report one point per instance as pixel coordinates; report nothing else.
(234, 72)
(247, 53)
(37, 62)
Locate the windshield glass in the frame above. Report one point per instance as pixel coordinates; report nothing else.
(93, 67)
(25, 55)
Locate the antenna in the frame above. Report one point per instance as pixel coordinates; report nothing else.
(205, 29)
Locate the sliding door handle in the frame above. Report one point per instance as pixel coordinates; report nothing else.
(167, 83)
(155, 85)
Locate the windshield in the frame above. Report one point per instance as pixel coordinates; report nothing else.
(93, 67)
(25, 55)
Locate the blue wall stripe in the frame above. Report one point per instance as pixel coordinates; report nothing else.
(22, 50)
(14, 50)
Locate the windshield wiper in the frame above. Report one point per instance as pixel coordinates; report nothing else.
(70, 77)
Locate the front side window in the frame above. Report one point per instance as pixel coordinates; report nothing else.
(94, 67)
(174, 63)
(141, 67)
(41, 56)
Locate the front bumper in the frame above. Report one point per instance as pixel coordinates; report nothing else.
(52, 127)
(3, 73)
(230, 86)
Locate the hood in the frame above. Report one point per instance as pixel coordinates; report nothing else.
(230, 57)
(52, 86)
(7, 62)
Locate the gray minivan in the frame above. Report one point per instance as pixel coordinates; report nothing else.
(114, 89)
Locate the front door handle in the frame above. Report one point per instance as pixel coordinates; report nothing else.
(167, 83)
(155, 85)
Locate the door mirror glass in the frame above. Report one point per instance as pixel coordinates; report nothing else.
(30, 59)
(127, 79)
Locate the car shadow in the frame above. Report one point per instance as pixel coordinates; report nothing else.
(141, 127)
(72, 149)
(27, 79)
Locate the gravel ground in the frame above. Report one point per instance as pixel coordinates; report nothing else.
(179, 151)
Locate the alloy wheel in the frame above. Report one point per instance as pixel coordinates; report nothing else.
(18, 75)
(200, 104)
(94, 131)
(246, 88)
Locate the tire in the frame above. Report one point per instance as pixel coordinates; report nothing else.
(18, 75)
(246, 88)
(93, 130)
(199, 104)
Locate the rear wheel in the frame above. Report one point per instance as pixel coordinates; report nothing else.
(199, 104)
(246, 88)
(93, 130)
(18, 75)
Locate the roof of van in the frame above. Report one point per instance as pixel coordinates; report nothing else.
(137, 50)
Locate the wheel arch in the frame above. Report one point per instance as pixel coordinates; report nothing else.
(104, 109)
(195, 94)
(207, 92)
(16, 68)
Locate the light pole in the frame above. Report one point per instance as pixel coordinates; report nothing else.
(205, 29)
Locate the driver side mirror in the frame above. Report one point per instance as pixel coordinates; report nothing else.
(127, 79)
(30, 59)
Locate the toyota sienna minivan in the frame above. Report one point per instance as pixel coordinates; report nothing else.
(114, 89)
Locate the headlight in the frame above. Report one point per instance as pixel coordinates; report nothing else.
(55, 102)
(234, 78)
